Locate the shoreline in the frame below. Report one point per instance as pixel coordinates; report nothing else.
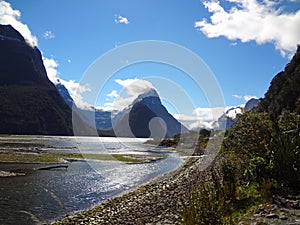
(157, 201)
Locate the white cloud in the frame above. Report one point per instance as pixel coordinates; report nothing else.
(74, 88)
(69, 61)
(10, 16)
(48, 35)
(135, 87)
(245, 97)
(121, 19)
(201, 118)
(112, 95)
(50, 66)
(207, 117)
(253, 20)
(132, 88)
(234, 111)
(237, 96)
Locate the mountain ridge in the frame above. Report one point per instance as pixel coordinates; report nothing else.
(284, 91)
(30, 103)
(132, 121)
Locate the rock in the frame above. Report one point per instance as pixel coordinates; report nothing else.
(272, 216)
(295, 205)
(283, 217)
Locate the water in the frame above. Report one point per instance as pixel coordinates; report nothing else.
(46, 195)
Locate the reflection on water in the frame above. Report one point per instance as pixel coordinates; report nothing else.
(48, 194)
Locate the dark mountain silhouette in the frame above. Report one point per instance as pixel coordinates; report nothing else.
(147, 117)
(284, 91)
(30, 103)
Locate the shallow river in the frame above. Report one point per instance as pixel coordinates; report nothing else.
(46, 195)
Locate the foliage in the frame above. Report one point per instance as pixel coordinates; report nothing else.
(269, 148)
(203, 207)
(189, 140)
(284, 91)
(259, 156)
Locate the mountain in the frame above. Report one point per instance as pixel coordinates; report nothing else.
(251, 104)
(227, 119)
(97, 117)
(92, 116)
(284, 91)
(30, 103)
(63, 91)
(133, 121)
(147, 117)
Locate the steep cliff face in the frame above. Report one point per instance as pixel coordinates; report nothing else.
(30, 103)
(147, 117)
(284, 91)
(65, 94)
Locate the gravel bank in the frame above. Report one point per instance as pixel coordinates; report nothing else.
(157, 202)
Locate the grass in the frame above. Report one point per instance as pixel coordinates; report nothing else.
(55, 157)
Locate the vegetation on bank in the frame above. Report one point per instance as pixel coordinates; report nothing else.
(260, 157)
(190, 140)
(58, 157)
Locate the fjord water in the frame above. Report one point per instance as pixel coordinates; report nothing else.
(45, 195)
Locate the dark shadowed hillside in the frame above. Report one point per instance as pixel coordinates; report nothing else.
(284, 91)
(30, 103)
(147, 117)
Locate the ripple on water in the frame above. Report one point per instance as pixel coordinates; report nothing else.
(50, 194)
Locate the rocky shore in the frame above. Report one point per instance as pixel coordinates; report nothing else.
(280, 211)
(158, 202)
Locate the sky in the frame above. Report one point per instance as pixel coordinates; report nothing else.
(243, 43)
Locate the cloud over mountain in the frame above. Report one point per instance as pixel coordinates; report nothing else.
(74, 88)
(132, 88)
(10, 16)
(245, 97)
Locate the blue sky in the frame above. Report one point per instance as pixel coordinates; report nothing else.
(244, 43)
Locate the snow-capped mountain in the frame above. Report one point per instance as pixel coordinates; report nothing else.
(147, 117)
(144, 117)
(227, 120)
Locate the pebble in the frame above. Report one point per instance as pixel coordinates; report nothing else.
(272, 215)
(158, 202)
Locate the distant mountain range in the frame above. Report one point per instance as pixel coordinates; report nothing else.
(31, 104)
(145, 117)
